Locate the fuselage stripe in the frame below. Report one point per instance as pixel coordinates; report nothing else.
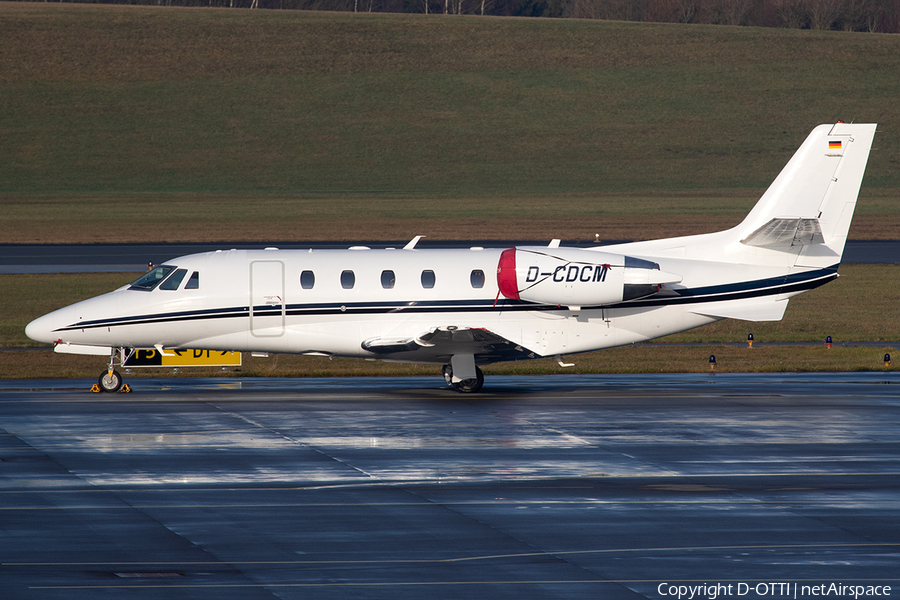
(735, 291)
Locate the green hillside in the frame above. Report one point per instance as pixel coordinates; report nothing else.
(144, 123)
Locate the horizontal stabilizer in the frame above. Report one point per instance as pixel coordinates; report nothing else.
(745, 310)
(785, 234)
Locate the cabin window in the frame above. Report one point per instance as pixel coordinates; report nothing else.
(477, 278)
(307, 280)
(194, 282)
(348, 280)
(427, 279)
(388, 280)
(174, 280)
(151, 278)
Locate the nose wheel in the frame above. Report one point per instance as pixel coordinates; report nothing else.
(110, 381)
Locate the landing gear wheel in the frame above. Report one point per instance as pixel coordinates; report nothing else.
(110, 383)
(469, 386)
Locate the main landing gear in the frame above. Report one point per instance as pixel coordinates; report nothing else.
(110, 380)
(466, 386)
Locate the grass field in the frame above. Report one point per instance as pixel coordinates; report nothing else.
(167, 124)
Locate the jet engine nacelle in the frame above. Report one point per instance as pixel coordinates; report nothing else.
(574, 277)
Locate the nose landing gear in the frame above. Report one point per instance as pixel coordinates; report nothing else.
(110, 380)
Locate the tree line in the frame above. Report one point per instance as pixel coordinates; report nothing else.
(881, 16)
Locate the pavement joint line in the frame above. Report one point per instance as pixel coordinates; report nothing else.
(420, 583)
(434, 503)
(472, 558)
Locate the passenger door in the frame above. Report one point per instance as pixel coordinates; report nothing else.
(267, 304)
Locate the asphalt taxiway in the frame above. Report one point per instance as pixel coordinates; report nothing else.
(612, 486)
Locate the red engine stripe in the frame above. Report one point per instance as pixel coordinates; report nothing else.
(506, 274)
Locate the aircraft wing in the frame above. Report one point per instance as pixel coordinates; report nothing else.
(439, 344)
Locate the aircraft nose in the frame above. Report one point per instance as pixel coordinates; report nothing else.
(41, 329)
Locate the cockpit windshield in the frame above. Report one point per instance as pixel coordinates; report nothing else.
(174, 281)
(151, 278)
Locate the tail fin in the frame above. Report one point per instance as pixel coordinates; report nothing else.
(790, 242)
(808, 208)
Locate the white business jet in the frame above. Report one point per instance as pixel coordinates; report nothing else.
(462, 308)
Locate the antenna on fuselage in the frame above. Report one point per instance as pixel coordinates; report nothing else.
(412, 243)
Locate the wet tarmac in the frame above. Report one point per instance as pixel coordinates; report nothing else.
(613, 486)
